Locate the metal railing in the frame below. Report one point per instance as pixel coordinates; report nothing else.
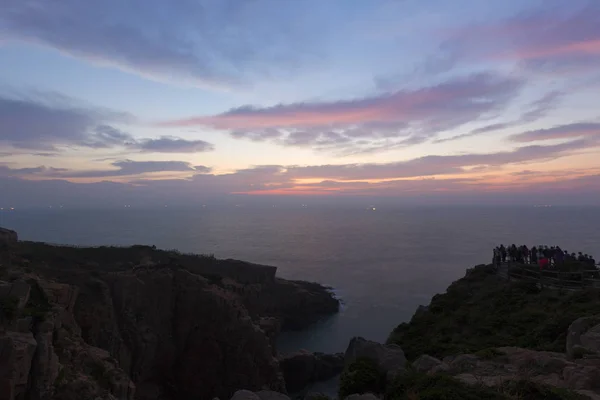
(550, 277)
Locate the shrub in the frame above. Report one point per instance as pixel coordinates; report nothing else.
(524, 389)
(416, 385)
(482, 311)
(362, 376)
(99, 372)
(489, 353)
(9, 308)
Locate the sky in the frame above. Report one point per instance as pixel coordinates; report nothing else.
(401, 101)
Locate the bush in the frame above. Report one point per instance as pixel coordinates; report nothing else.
(9, 308)
(482, 311)
(362, 376)
(488, 354)
(524, 389)
(416, 385)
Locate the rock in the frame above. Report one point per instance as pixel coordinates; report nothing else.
(8, 237)
(584, 332)
(187, 336)
(269, 395)
(463, 362)
(19, 290)
(367, 396)
(302, 368)
(316, 396)
(582, 378)
(60, 293)
(45, 366)
(245, 395)
(389, 357)
(16, 354)
(426, 363)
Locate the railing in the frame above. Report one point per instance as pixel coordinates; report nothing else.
(572, 280)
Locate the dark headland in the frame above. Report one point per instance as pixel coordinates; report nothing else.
(141, 323)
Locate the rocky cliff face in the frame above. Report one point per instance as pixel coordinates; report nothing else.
(42, 353)
(113, 324)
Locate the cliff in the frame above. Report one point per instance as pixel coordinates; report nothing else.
(143, 323)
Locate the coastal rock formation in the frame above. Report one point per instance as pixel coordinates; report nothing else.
(427, 363)
(302, 368)
(261, 395)
(114, 322)
(43, 355)
(8, 237)
(388, 357)
(367, 396)
(504, 364)
(583, 337)
(195, 338)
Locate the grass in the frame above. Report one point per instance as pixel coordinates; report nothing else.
(361, 376)
(482, 311)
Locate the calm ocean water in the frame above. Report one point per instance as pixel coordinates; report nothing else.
(382, 263)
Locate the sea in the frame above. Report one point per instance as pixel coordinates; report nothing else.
(381, 262)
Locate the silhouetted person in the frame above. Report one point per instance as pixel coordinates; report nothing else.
(534, 255)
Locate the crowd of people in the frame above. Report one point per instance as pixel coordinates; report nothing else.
(544, 256)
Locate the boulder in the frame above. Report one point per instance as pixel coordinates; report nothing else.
(19, 290)
(8, 237)
(16, 355)
(316, 396)
(583, 336)
(245, 395)
(367, 396)
(270, 395)
(426, 363)
(389, 357)
(302, 368)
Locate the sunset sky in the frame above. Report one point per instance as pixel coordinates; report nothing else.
(155, 101)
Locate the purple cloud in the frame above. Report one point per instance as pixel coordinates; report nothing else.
(546, 39)
(203, 42)
(534, 111)
(397, 119)
(47, 122)
(590, 130)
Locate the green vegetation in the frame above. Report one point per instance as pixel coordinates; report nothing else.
(488, 354)
(98, 371)
(8, 308)
(362, 376)
(483, 311)
(524, 389)
(38, 304)
(413, 385)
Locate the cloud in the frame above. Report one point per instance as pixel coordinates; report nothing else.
(208, 43)
(38, 125)
(122, 168)
(564, 39)
(438, 165)
(535, 111)
(167, 144)
(46, 122)
(265, 176)
(397, 119)
(589, 130)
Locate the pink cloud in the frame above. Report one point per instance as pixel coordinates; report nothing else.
(589, 130)
(555, 39)
(400, 118)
